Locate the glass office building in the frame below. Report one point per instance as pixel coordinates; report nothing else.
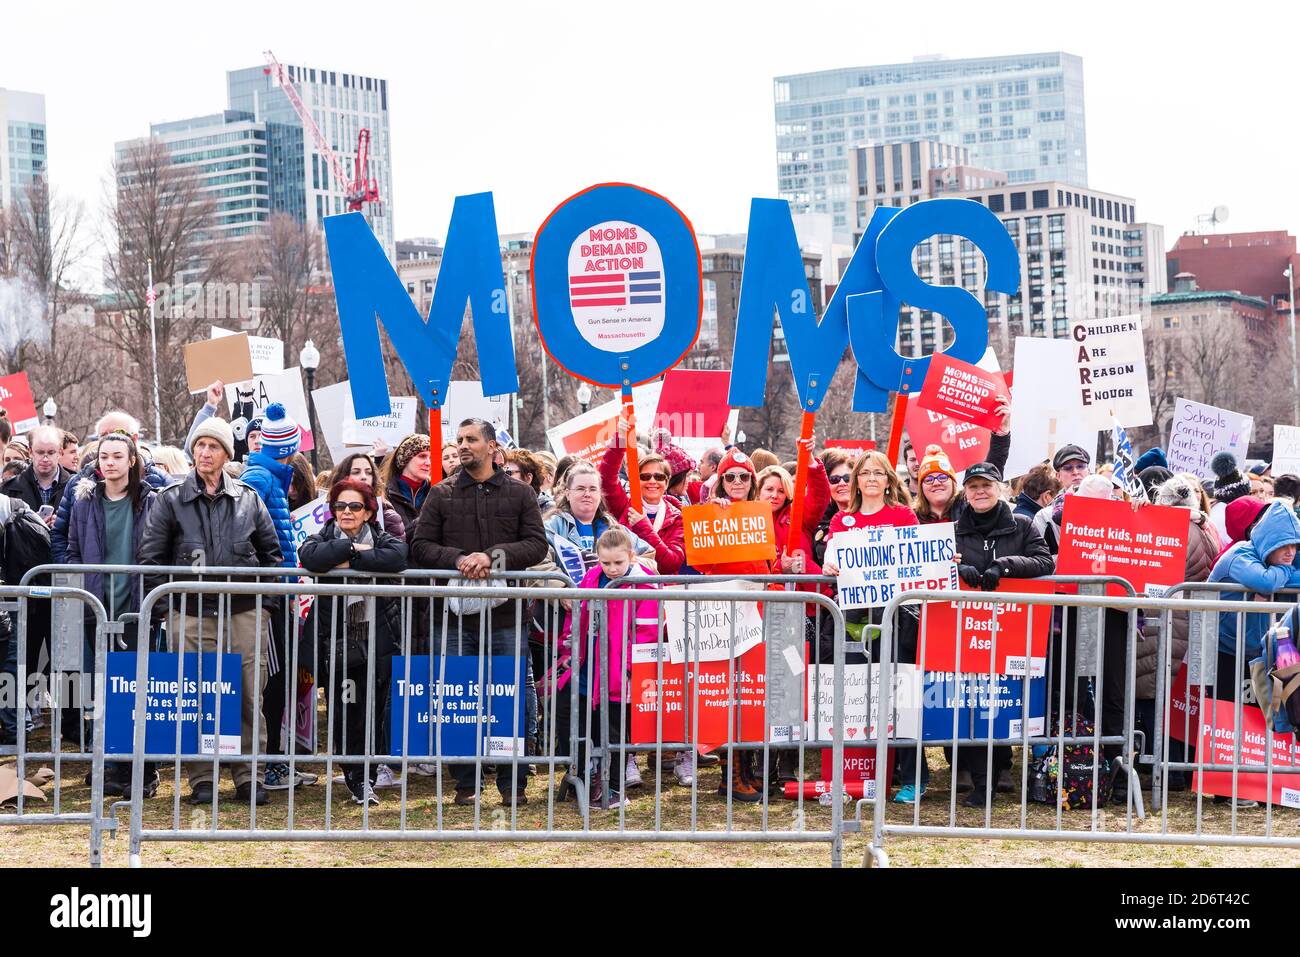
(1023, 115)
(23, 153)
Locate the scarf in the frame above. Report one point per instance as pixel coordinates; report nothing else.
(656, 517)
(360, 609)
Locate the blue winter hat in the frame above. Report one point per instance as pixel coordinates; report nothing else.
(1152, 456)
(280, 433)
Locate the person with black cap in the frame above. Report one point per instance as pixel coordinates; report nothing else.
(993, 543)
(1072, 464)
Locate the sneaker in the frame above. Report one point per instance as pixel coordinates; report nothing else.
(279, 778)
(464, 797)
(908, 794)
(1240, 802)
(631, 774)
(247, 789)
(201, 793)
(147, 790)
(385, 778)
(976, 797)
(616, 801)
(425, 770)
(362, 793)
(306, 778)
(708, 760)
(684, 768)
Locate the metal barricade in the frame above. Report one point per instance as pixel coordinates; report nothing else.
(1132, 826)
(590, 744)
(24, 691)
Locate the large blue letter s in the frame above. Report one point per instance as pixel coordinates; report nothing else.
(367, 288)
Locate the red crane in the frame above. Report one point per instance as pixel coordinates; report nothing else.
(360, 188)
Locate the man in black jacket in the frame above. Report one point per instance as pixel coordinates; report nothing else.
(209, 519)
(993, 543)
(479, 521)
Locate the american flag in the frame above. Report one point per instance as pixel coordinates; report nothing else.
(151, 296)
(1125, 476)
(619, 289)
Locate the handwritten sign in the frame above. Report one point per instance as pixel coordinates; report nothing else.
(877, 562)
(713, 630)
(1198, 431)
(742, 532)
(1286, 450)
(1112, 371)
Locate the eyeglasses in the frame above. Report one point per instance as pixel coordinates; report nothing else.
(937, 479)
(734, 477)
(653, 477)
(511, 471)
(839, 479)
(874, 473)
(338, 507)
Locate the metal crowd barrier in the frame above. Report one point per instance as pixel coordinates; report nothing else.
(1132, 826)
(66, 693)
(590, 745)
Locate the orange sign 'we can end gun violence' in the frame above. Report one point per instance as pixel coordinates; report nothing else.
(742, 532)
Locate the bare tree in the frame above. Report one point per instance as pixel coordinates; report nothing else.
(283, 258)
(157, 212)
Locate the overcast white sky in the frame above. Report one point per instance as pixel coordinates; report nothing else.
(1187, 107)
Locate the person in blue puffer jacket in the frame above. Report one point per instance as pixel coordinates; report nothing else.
(1265, 563)
(268, 473)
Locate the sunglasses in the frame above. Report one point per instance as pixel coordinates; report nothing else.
(844, 479)
(736, 477)
(348, 507)
(937, 479)
(653, 477)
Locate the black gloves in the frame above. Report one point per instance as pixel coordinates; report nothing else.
(970, 575)
(991, 577)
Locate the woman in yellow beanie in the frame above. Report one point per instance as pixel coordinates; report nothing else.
(940, 497)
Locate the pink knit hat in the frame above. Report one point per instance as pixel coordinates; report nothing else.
(679, 463)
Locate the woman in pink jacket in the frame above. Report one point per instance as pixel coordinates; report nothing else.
(658, 521)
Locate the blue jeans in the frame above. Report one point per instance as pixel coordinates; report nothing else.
(500, 641)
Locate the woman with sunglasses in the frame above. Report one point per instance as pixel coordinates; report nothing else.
(658, 520)
(361, 466)
(353, 540)
(839, 477)
(940, 499)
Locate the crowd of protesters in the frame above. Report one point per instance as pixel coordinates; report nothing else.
(228, 496)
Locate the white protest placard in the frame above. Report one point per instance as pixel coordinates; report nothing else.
(879, 561)
(285, 388)
(389, 429)
(309, 519)
(1286, 450)
(1046, 408)
(333, 402)
(1111, 371)
(465, 400)
(862, 703)
(1198, 431)
(267, 354)
(704, 630)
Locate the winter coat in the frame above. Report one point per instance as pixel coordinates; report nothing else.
(1245, 563)
(270, 479)
(643, 629)
(498, 517)
(1027, 507)
(325, 551)
(1200, 561)
(187, 526)
(1048, 522)
(86, 536)
(1013, 544)
(566, 544)
(397, 496)
(24, 487)
(823, 532)
(669, 543)
(154, 477)
(391, 522)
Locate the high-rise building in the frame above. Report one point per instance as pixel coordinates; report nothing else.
(1023, 114)
(227, 152)
(341, 104)
(23, 154)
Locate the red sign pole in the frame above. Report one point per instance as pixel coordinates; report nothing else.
(435, 446)
(896, 430)
(633, 468)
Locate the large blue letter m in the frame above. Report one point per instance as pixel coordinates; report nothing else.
(369, 291)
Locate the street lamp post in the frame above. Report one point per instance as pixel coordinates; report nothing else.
(584, 395)
(51, 409)
(1295, 360)
(309, 359)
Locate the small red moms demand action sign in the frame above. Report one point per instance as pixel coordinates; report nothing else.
(962, 391)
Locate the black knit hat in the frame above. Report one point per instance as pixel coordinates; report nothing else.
(1229, 485)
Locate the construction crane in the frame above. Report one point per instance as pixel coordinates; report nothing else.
(358, 189)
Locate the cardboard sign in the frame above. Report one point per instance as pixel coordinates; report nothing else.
(617, 287)
(713, 630)
(1111, 371)
(266, 355)
(16, 399)
(447, 703)
(1212, 727)
(1198, 431)
(389, 429)
(226, 358)
(162, 706)
(465, 400)
(877, 562)
(1286, 450)
(962, 391)
(285, 388)
(653, 695)
(587, 435)
(741, 532)
(693, 407)
(1147, 547)
(964, 442)
(978, 621)
(1046, 410)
